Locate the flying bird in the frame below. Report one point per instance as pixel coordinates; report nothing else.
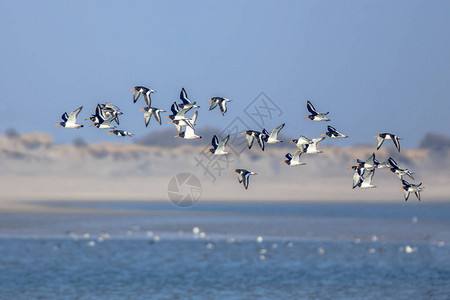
(152, 111)
(221, 102)
(272, 138)
(101, 121)
(70, 121)
(218, 147)
(315, 116)
(367, 180)
(186, 103)
(251, 135)
(146, 92)
(357, 175)
(110, 110)
(243, 176)
(293, 160)
(121, 132)
(388, 136)
(312, 148)
(395, 168)
(301, 141)
(409, 188)
(333, 133)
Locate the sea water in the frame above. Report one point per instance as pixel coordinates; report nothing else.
(227, 251)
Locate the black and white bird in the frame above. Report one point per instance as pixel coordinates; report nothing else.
(111, 110)
(315, 116)
(152, 111)
(293, 160)
(272, 138)
(333, 133)
(409, 188)
(186, 103)
(395, 168)
(70, 121)
(119, 132)
(388, 136)
(188, 133)
(357, 175)
(251, 135)
(100, 120)
(366, 182)
(218, 147)
(146, 92)
(301, 141)
(243, 176)
(219, 101)
(312, 148)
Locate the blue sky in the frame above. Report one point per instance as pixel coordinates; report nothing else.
(377, 66)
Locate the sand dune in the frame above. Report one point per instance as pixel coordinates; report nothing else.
(33, 168)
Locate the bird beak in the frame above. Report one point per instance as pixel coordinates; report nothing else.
(389, 169)
(350, 168)
(92, 125)
(323, 134)
(177, 135)
(166, 117)
(306, 117)
(58, 124)
(87, 119)
(244, 132)
(233, 171)
(208, 150)
(283, 161)
(170, 122)
(377, 136)
(133, 89)
(110, 132)
(142, 109)
(291, 142)
(402, 188)
(209, 100)
(299, 150)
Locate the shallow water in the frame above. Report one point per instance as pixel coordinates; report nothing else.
(155, 251)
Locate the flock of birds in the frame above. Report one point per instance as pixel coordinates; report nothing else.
(107, 113)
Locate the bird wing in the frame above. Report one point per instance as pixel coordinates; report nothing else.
(174, 108)
(249, 138)
(380, 141)
(246, 178)
(215, 142)
(296, 156)
(223, 142)
(357, 177)
(147, 117)
(65, 117)
(73, 115)
(223, 106)
(393, 163)
(368, 178)
(181, 113)
(406, 193)
(184, 97)
(213, 104)
(136, 95)
(260, 140)
(396, 141)
(148, 98)
(157, 114)
(194, 118)
(274, 133)
(311, 108)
